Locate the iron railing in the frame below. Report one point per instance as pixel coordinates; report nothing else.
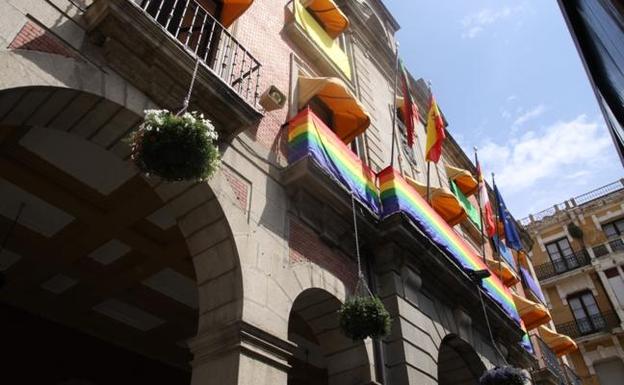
(602, 322)
(578, 200)
(209, 42)
(567, 263)
(548, 360)
(573, 378)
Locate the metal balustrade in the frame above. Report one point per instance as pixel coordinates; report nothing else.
(548, 360)
(573, 378)
(570, 262)
(210, 42)
(602, 322)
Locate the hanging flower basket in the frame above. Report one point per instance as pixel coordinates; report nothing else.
(176, 147)
(575, 231)
(505, 375)
(364, 316)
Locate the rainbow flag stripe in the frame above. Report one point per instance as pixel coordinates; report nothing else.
(526, 341)
(309, 136)
(397, 196)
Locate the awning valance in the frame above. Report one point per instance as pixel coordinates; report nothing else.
(463, 179)
(532, 313)
(232, 9)
(503, 271)
(334, 21)
(559, 343)
(350, 119)
(443, 201)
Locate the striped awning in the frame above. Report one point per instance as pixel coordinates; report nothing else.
(443, 201)
(559, 343)
(532, 313)
(232, 10)
(333, 20)
(350, 119)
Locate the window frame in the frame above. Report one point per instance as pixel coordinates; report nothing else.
(564, 263)
(614, 225)
(591, 323)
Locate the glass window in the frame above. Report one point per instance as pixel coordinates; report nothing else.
(614, 229)
(586, 312)
(561, 255)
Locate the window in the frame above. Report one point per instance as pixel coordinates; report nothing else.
(561, 255)
(614, 229)
(586, 312)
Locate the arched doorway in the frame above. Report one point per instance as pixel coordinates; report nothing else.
(99, 262)
(323, 355)
(458, 363)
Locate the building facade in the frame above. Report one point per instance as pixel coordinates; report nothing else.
(110, 276)
(597, 28)
(578, 257)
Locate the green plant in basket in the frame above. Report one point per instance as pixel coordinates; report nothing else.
(176, 147)
(364, 316)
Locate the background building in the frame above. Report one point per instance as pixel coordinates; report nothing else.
(579, 260)
(112, 277)
(597, 27)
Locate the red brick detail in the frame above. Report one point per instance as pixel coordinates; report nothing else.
(239, 186)
(306, 246)
(34, 38)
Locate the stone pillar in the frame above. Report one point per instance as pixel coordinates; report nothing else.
(240, 354)
(611, 294)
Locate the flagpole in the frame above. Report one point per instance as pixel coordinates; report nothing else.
(498, 256)
(428, 161)
(479, 204)
(396, 74)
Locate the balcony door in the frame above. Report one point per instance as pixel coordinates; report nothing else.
(586, 312)
(561, 255)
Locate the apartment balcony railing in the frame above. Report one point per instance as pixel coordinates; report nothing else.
(573, 378)
(602, 322)
(550, 369)
(612, 246)
(155, 44)
(570, 262)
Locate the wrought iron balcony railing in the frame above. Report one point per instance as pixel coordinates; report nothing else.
(202, 35)
(573, 378)
(568, 263)
(602, 322)
(548, 361)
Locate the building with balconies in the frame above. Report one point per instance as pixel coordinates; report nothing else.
(579, 257)
(110, 276)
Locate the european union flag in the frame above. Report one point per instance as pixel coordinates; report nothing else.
(512, 237)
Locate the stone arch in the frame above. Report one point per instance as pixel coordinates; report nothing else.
(323, 355)
(64, 114)
(458, 362)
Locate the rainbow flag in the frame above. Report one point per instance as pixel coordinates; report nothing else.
(398, 196)
(309, 136)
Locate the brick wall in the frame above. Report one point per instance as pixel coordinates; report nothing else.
(34, 38)
(306, 246)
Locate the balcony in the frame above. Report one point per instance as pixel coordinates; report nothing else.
(570, 262)
(603, 322)
(550, 370)
(612, 246)
(155, 45)
(571, 376)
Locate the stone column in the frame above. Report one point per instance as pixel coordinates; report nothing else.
(240, 354)
(611, 294)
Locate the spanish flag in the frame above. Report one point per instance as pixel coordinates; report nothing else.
(435, 132)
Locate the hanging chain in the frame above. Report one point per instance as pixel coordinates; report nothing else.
(187, 99)
(357, 241)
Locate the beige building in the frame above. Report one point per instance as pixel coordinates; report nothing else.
(579, 260)
(110, 276)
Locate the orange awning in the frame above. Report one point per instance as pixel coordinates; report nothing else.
(330, 16)
(349, 116)
(464, 179)
(232, 9)
(443, 201)
(532, 313)
(503, 271)
(559, 343)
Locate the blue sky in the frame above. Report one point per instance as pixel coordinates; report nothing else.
(509, 80)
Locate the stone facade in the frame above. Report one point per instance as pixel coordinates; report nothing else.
(267, 268)
(588, 270)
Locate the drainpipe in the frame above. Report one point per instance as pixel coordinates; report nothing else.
(378, 346)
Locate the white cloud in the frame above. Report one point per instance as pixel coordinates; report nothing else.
(475, 23)
(563, 150)
(528, 115)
